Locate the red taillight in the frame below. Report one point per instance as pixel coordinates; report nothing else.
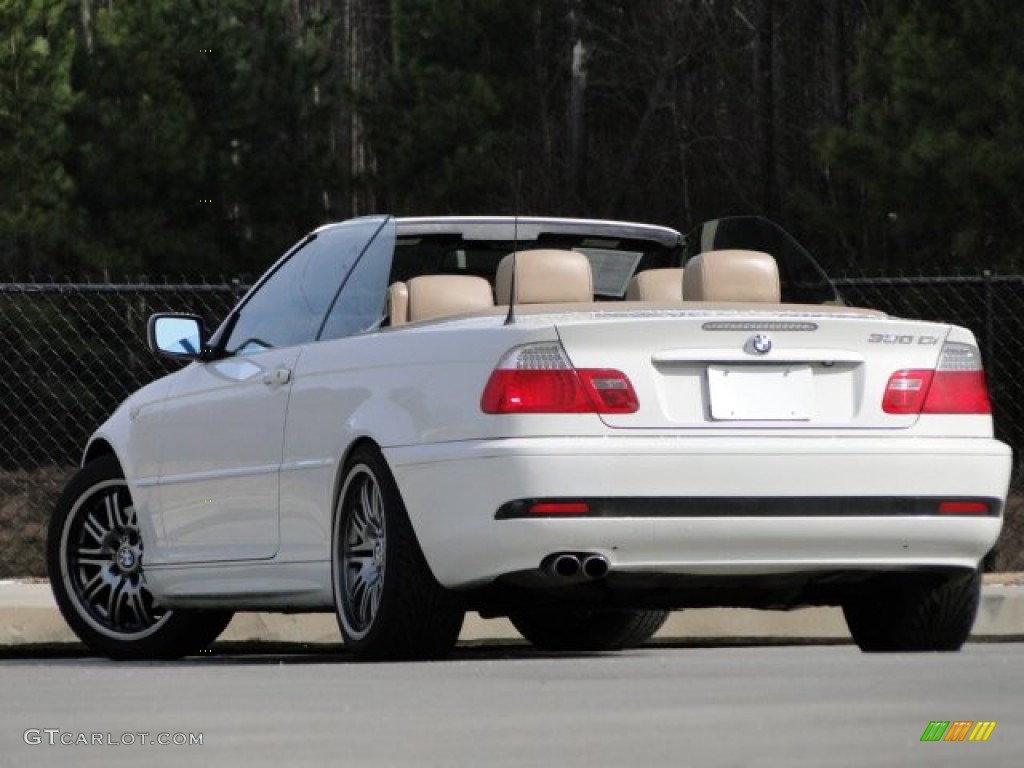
(610, 390)
(535, 392)
(956, 386)
(538, 378)
(560, 508)
(906, 391)
(963, 508)
(958, 392)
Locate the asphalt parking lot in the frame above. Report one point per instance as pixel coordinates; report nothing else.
(724, 687)
(808, 705)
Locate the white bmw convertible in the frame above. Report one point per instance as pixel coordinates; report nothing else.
(580, 425)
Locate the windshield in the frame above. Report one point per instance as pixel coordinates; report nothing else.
(616, 251)
(802, 280)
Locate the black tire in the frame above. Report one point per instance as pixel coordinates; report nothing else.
(389, 605)
(94, 557)
(915, 613)
(583, 630)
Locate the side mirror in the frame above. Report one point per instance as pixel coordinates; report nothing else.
(180, 337)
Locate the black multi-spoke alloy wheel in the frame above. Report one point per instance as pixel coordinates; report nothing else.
(95, 559)
(389, 605)
(586, 630)
(915, 612)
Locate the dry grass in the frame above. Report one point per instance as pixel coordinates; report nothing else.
(1010, 547)
(26, 499)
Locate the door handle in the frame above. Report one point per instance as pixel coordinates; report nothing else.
(278, 377)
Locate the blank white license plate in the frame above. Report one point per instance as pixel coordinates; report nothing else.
(761, 392)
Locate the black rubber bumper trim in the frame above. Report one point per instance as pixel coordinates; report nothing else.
(752, 506)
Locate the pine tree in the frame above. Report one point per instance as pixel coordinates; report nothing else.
(37, 222)
(935, 152)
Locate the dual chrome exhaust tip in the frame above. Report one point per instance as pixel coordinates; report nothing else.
(576, 566)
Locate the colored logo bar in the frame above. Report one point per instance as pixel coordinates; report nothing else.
(958, 730)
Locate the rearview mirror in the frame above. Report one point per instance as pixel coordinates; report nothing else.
(180, 337)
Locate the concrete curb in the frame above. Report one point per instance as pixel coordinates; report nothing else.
(28, 616)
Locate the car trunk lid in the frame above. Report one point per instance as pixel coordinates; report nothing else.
(764, 369)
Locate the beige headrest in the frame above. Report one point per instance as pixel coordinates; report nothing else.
(741, 276)
(656, 285)
(398, 303)
(545, 276)
(438, 295)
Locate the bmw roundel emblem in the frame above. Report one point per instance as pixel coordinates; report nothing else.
(761, 343)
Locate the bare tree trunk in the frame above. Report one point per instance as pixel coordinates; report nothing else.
(641, 134)
(838, 109)
(395, 38)
(353, 76)
(835, 29)
(764, 72)
(577, 117)
(369, 42)
(85, 24)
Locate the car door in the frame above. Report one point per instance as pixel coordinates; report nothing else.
(329, 388)
(222, 425)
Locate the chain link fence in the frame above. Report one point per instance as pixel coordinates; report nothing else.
(72, 352)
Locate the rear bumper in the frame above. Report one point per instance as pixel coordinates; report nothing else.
(453, 492)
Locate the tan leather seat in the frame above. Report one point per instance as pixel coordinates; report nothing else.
(545, 276)
(656, 285)
(732, 276)
(398, 303)
(429, 296)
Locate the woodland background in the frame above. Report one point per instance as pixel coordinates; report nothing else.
(199, 138)
(192, 141)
